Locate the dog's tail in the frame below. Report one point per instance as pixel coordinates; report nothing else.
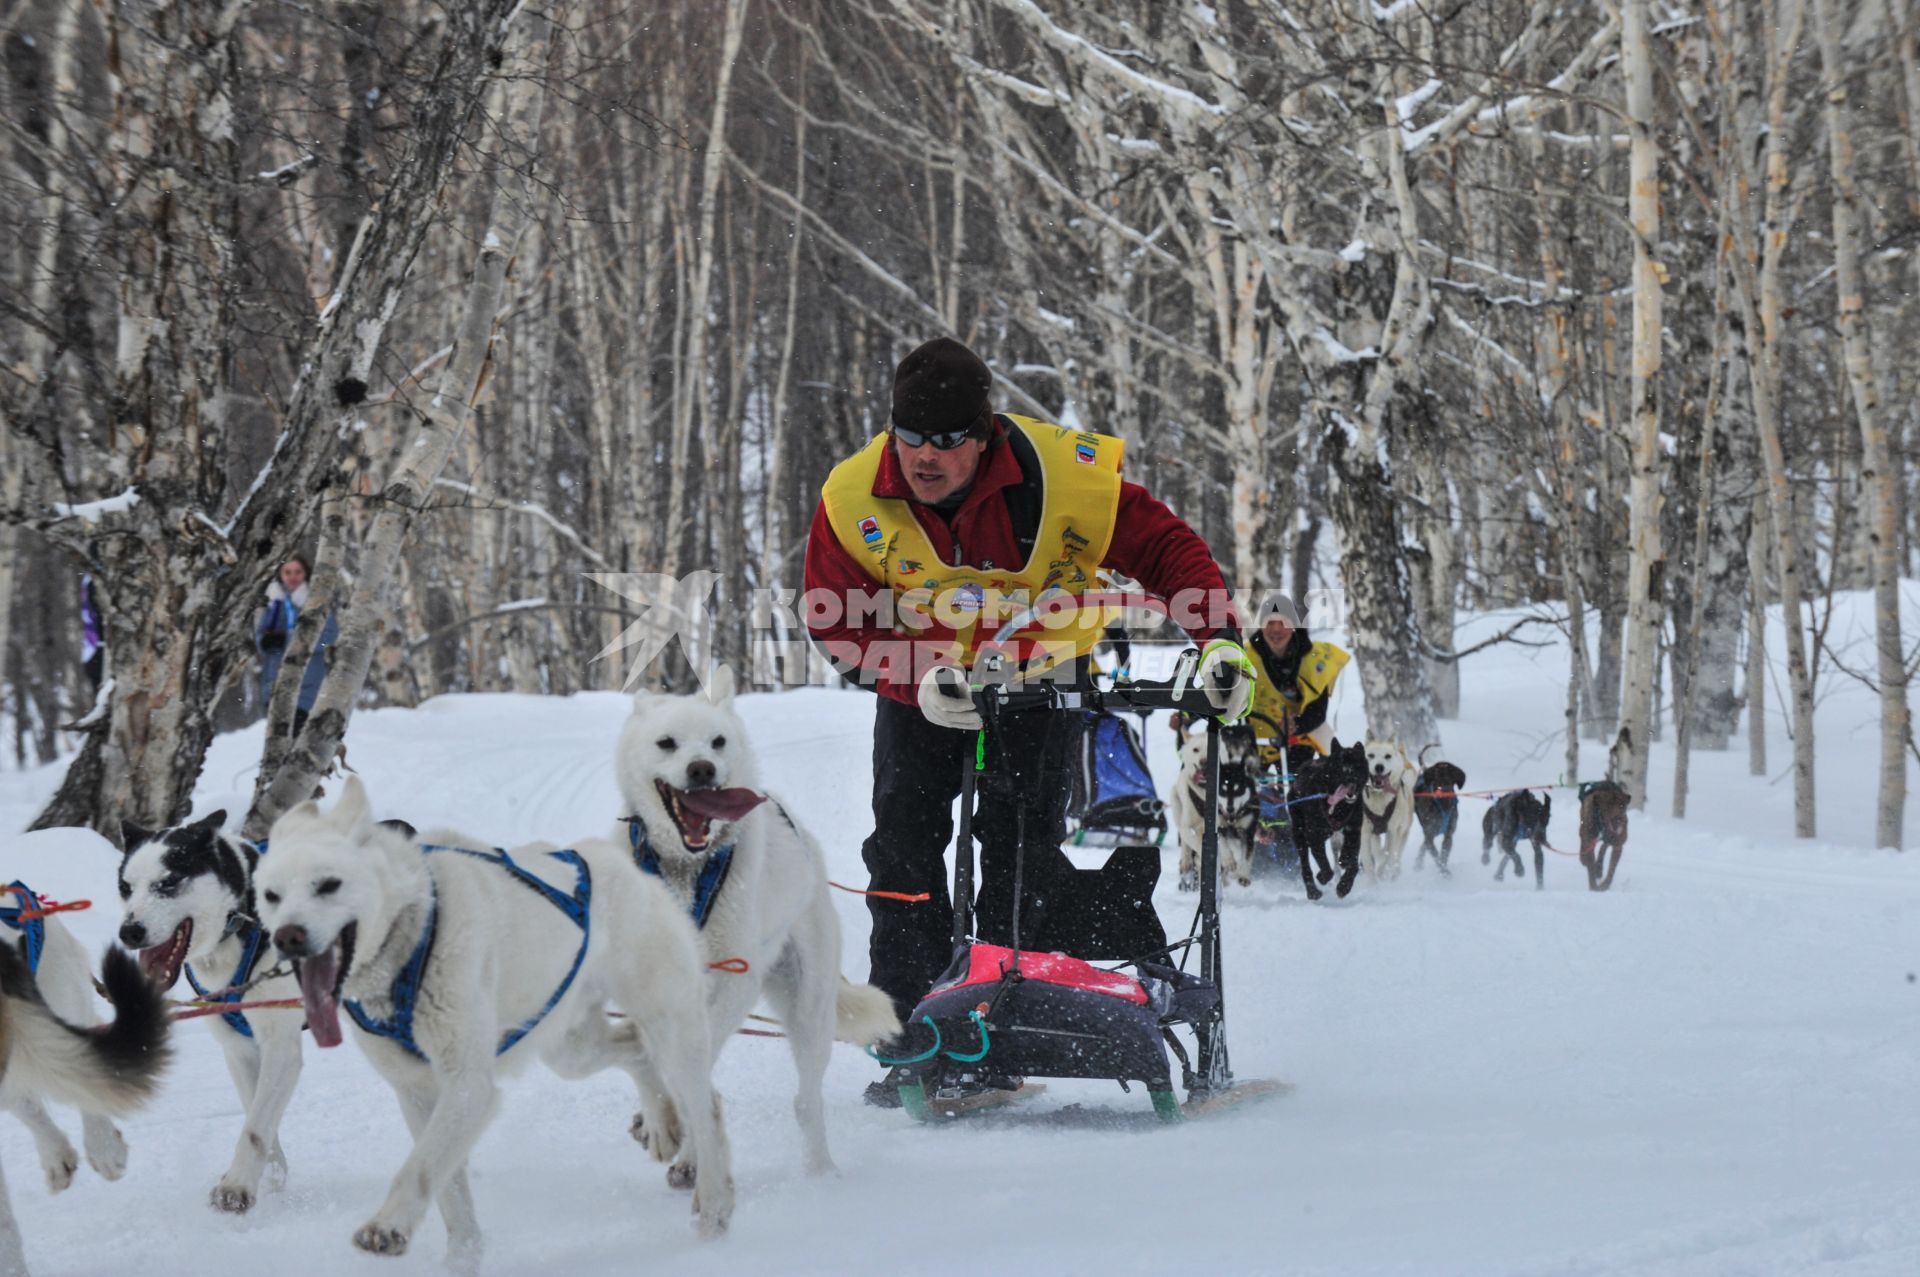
(863, 1015)
(112, 1068)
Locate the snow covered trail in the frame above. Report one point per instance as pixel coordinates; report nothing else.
(1709, 1070)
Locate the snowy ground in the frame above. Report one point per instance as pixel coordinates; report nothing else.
(1711, 1070)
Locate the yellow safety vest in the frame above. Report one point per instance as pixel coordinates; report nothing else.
(1080, 495)
(1319, 667)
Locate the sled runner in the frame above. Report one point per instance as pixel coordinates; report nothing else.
(1027, 1009)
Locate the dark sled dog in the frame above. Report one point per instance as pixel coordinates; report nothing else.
(1338, 779)
(1603, 825)
(1437, 807)
(1516, 816)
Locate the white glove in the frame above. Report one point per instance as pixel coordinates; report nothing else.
(945, 700)
(1226, 676)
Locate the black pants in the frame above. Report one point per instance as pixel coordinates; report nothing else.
(916, 777)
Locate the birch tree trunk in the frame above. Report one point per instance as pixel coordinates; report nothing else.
(1878, 473)
(463, 377)
(1645, 560)
(695, 401)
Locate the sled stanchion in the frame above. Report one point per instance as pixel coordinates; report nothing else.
(963, 845)
(1211, 1060)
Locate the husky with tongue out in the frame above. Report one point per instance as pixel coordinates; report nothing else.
(188, 910)
(456, 960)
(756, 885)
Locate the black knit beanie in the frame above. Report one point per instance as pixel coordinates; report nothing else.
(941, 387)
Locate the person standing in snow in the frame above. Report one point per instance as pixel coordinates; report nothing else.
(93, 648)
(1294, 683)
(273, 626)
(955, 506)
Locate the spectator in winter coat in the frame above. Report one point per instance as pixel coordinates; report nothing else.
(92, 648)
(964, 508)
(273, 626)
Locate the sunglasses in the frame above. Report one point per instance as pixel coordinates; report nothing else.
(945, 441)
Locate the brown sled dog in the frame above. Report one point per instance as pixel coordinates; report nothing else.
(1603, 825)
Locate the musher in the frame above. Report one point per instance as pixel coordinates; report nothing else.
(951, 511)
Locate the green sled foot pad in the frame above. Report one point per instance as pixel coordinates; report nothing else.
(923, 1107)
(1166, 1107)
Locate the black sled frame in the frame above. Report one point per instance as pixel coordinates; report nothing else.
(999, 1013)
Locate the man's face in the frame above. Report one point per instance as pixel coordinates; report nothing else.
(1277, 633)
(933, 475)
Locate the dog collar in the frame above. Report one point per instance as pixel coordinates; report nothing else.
(706, 888)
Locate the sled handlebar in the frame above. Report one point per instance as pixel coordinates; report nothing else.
(997, 687)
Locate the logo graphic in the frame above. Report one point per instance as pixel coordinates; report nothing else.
(906, 567)
(870, 531)
(1083, 453)
(969, 598)
(666, 607)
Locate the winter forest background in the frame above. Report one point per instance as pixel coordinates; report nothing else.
(1600, 309)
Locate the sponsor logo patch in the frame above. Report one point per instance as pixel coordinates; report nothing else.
(969, 598)
(870, 530)
(1083, 453)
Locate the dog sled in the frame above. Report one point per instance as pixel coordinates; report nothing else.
(1042, 1005)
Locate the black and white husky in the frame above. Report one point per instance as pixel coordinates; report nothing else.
(755, 882)
(188, 909)
(101, 1069)
(457, 961)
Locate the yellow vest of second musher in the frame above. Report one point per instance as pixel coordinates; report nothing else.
(1080, 495)
(1319, 667)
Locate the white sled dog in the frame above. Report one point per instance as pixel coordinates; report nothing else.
(56, 964)
(1386, 808)
(755, 882)
(456, 961)
(101, 1069)
(188, 908)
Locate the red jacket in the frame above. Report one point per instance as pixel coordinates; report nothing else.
(1151, 544)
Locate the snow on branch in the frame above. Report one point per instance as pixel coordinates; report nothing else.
(287, 174)
(1475, 111)
(94, 511)
(1340, 352)
(1170, 97)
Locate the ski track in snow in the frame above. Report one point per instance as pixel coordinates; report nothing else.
(1710, 1070)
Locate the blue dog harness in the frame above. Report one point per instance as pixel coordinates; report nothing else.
(706, 888)
(398, 1027)
(33, 930)
(251, 948)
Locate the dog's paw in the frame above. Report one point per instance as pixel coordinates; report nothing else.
(1345, 884)
(376, 1239)
(1325, 875)
(1313, 892)
(1189, 881)
(234, 1199)
(1245, 880)
(106, 1150)
(1486, 857)
(659, 1137)
(713, 1207)
(60, 1168)
(682, 1176)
